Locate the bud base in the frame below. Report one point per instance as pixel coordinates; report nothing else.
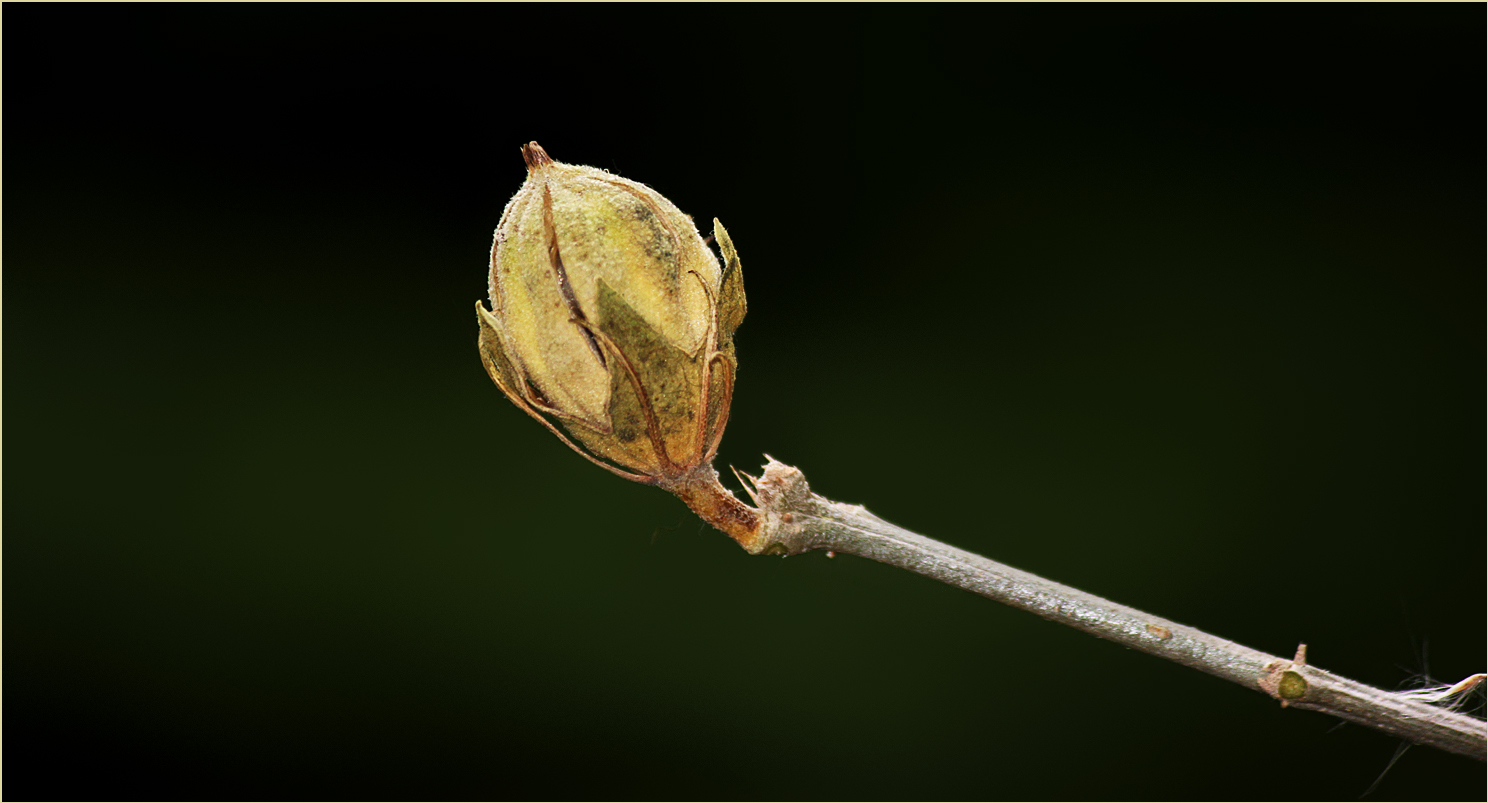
(715, 504)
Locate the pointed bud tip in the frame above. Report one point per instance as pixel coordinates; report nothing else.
(535, 157)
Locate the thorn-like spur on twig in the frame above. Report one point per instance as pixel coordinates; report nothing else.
(749, 483)
(1465, 685)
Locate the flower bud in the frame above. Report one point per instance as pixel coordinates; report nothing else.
(611, 322)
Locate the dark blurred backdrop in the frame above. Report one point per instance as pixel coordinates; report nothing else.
(1181, 305)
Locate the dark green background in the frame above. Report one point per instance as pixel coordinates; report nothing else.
(1181, 305)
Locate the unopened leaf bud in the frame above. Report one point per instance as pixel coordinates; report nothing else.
(612, 323)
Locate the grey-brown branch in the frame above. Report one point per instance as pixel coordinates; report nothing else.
(795, 520)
